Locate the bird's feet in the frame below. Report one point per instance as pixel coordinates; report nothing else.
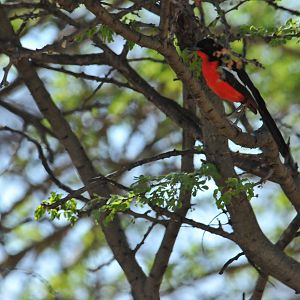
(238, 113)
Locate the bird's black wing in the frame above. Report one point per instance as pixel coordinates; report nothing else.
(231, 76)
(240, 80)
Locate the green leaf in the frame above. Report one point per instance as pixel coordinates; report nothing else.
(105, 33)
(234, 187)
(67, 209)
(39, 212)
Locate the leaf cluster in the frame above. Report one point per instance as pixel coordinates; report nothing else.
(163, 191)
(106, 33)
(234, 187)
(275, 35)
(67, 209)
(103, 31)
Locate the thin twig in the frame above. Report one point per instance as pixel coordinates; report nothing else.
(223, 19)
(177, 218)
(146, 216)
(161, 61)
(42, 158)
(86, 76)
(230, 261)
(98, 87)
(142, 242)
(102, 265)
(36, 275)
(152, 159)
(276, 6)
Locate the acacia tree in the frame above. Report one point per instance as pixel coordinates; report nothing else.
(112, 89)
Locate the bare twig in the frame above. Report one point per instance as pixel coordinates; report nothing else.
(276, 6)
(42, 157)
(36, 275)
(152, 159)
(147, 217)
(161, 61)
(230, 261)
(98, 87)
(142, 242)
(87, 76)
(102, 265)
(223, 19)
(183, 220)
(27, 117)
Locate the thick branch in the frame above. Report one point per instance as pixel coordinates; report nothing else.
(166, 247)
(27, 117)
(286, 237)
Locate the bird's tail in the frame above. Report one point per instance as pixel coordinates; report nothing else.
(260, 105)
(283, 147)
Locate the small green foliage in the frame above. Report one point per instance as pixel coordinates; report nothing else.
(132, 23)
(163, 191)
(234, 187)
(193, 61)
(54, 197)
(277, 35)
(131, 44)
(39, 212)
(96, 214)
(68, 209)
(210, 170)
(105, 33)
(116, 204)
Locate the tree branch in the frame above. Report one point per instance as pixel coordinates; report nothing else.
(42, 158)
(164, 20)
(286, 237)
(113, 232)
(276, 6)
(152, 159)
(170, 236)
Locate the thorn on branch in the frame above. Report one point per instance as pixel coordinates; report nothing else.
(4, 82)
(230, 261)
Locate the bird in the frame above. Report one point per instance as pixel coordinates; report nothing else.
(228, 79)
